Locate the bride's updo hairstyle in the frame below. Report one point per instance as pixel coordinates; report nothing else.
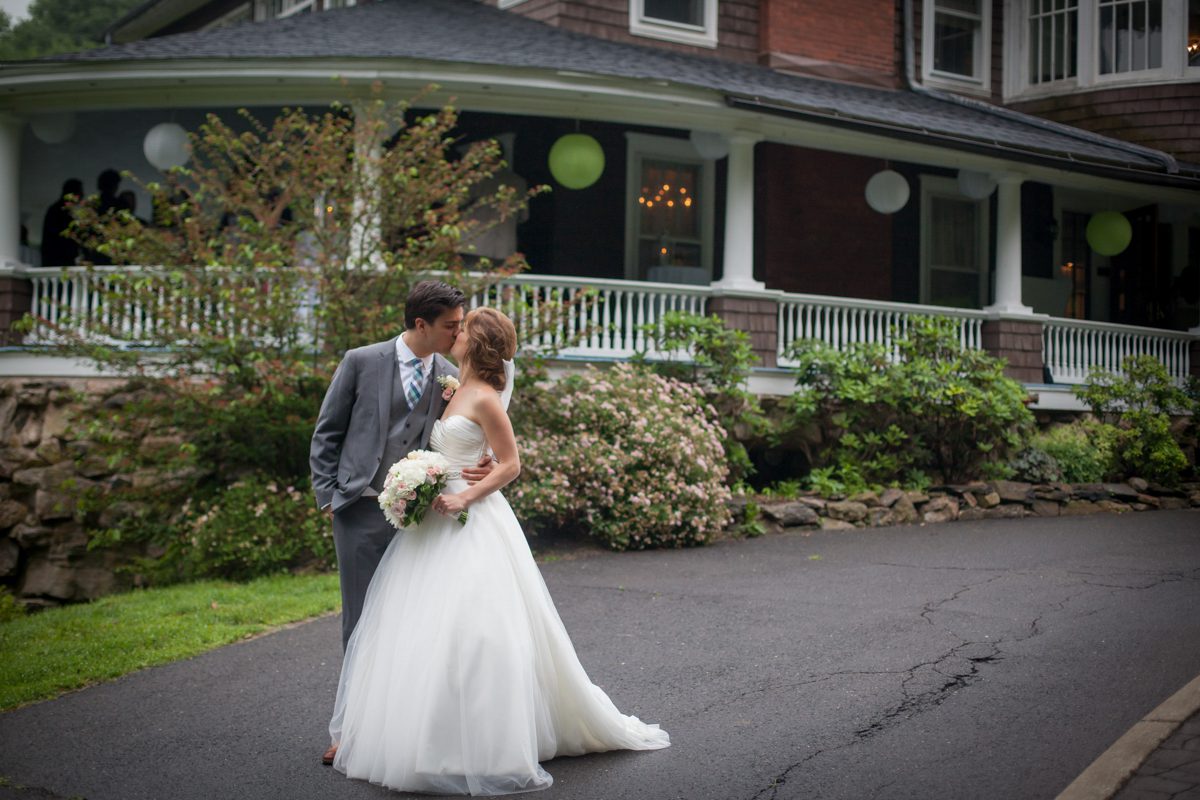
(491, 338)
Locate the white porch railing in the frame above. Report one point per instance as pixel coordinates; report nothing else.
(598, 318)
(1072, 348)
(592, 318)
(839, 322)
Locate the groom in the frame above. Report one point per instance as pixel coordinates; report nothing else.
(381, 405)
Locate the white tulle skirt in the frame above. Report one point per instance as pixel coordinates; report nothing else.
(460, 676)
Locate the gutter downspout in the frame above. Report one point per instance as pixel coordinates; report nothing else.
(910, 79)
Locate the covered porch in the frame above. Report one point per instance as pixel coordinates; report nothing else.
(775, 233)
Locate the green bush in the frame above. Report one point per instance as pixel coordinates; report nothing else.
(632, 457)
(1082, 450)
(1138, 406)
(719, 360)
(251, 528)
(930, 408)
(1035, 465)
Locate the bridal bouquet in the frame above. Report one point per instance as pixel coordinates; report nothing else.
(411, 485)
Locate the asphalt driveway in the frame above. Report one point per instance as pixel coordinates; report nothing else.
(989, 659)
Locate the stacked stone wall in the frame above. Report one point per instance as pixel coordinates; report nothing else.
(45, 468)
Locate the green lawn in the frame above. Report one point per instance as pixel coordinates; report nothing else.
(45, 654)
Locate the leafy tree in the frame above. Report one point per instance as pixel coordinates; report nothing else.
(282, 245)
(60, 26)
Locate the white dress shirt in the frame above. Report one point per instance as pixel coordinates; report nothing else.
(405, 356)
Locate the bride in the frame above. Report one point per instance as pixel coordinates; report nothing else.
(460, 677)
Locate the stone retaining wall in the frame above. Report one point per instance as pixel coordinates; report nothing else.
(992, 500)
(44, 468)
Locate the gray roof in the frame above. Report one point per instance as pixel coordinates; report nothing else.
(465, 31)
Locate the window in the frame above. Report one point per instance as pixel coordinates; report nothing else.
(953, 246)
(286, 8)
(1073, 44)
(669, 216)
(685, 21)
(957, 36)
(1130, 35)
(1193, 33)
(1053, 40)
(239, 14)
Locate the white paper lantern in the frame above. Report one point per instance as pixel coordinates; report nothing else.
(166, 146)
(53, 128)
(887, 191)
(975, 185)
(709, 145)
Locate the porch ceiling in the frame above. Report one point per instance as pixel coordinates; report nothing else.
(496, 56)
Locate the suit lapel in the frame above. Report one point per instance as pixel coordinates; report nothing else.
(434, 408)
(387, 378)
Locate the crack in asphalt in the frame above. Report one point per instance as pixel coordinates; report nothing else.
(935, 606)
(960, 666)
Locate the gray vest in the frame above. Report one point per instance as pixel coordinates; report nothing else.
(404, 427)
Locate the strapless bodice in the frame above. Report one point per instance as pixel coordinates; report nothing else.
(459, 439)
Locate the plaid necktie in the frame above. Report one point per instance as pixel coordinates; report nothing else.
(418, 383)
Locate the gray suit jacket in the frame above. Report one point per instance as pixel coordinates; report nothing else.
(347, 444)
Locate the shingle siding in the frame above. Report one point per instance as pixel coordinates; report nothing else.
(1164, 116)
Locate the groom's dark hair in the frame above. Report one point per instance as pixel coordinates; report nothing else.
(428, 300)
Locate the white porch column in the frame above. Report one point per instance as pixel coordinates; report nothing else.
(10, 187)
(739, 215)
(1008, 247)
(366, 229)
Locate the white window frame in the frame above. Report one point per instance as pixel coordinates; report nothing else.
(641, 145)
(243, 13)
(292, 7)
(1174, 67)
(698, 35)
(978, 84)
(510, 3)
(938, 186)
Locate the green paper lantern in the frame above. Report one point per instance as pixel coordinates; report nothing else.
(1109, 233)
(576, 161)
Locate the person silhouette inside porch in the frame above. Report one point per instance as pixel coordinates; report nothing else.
(106, 202)
(58, 250)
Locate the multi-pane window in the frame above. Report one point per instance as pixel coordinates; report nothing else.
(955, 262)
(958, 37)
(687, 21)
(1077, 44)
(1053, 40)
(669, 215)
(682, 12)
(1130, 35)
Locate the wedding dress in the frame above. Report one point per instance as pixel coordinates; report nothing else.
(460, 677)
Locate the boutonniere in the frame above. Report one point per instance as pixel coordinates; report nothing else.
(449, 384)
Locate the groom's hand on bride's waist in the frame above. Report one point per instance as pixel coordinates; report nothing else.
(473, 475)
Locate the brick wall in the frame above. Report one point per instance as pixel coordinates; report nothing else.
(737, 24)
(1164, 116)
(853, 40)
(15, 296)
(1020, 343)
(823, 238)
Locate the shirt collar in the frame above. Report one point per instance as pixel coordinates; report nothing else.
(405, 355)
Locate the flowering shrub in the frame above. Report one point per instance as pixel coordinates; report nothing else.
(253, 527)
(635, 458)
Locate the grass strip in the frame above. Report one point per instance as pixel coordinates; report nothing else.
(45, 654)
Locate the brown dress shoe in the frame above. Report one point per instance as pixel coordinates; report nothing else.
(327, 756)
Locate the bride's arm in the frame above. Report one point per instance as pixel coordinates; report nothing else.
(498, 429)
